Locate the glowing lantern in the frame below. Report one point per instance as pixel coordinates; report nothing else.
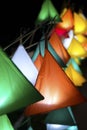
(57, 88)
(63, 116)
(67, 20)
(56, 43)
(23, 61)
(79, 24)
(66, 41)
(15, 90)
(75, 76)
(75, 49)
(48, 12)
(5, 123)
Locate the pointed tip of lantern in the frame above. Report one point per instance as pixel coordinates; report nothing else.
(67, 20)
(75, 49)
(63, 94)
(80, 24)
(48, 13)
(15, 89)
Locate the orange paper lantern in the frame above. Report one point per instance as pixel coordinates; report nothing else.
(57, 88)
(56, 43)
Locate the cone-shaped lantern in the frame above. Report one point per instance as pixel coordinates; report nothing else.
(56, 87)
(48, 12)
(67, 20)
(56, 43)
(5, 123)
(66, 41)
(75, 49)
(80, 25)
(15, 90)
(63, 116)
(23, 61)
(76, 77)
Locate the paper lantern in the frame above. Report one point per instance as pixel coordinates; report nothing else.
(76, 77)
(66, 41)
(56, 127)
(56, 43)
(47, 12)
(15, 90)
(79, 24)
(5, 123)
(40, 51)
(81, 38)
(23, 61)
(55, 86)
(75, 49)
(67, 20)
(63, 116)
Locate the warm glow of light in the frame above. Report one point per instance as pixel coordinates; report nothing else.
(80, 25)
(55, 86)
(76, 77)
(67, 20)
(56, 43)
(75, 49)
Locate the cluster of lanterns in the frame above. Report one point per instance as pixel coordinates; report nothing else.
(48, 81)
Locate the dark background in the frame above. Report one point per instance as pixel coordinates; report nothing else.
(21, 15)
(16, 16)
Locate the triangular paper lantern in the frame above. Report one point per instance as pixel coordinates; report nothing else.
(76, 77)
(47, 12)
(23, 61)
(66, 41)
(67, 20)
(63, 116)
(5, 123)
(75, 49)
(79, 24)
(56, 43)
(56, 127)
(15, 90)
(57, 88)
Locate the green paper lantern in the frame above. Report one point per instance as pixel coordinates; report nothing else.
(15, 90)
(63, 116)
(48, 12)
(5, 123)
